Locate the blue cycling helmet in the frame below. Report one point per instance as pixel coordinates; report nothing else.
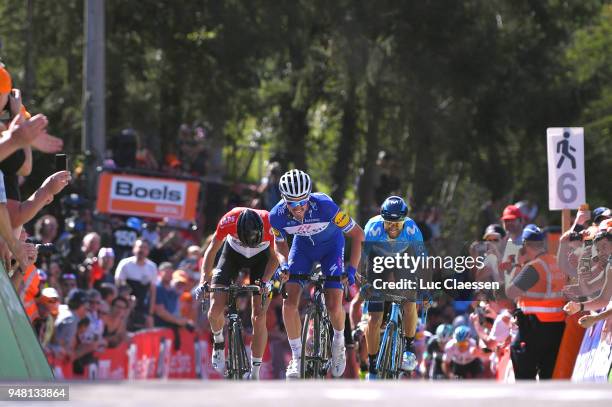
(462, 333)
(134, 223)
(444, 332)
(394, 209)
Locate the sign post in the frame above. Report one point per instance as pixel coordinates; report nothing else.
(566, 191)
(565, 167)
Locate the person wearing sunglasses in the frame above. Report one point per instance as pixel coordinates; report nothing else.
(392, 225)
(318, 226)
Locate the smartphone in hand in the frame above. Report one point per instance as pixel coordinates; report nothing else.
(61, 162)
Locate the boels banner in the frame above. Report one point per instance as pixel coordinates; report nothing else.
(147, 196)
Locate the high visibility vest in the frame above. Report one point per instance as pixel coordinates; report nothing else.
(28, 291)
(545, 299)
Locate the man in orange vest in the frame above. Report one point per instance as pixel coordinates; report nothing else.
(538, 291)
(28, 291)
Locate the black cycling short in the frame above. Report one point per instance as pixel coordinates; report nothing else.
(231, 262)
(471, 370)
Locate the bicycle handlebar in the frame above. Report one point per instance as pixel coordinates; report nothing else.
(237, 289)
(313, 278)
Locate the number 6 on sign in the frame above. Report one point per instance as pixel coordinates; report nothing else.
(565, 167)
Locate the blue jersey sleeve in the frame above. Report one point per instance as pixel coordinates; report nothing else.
(334, 214)
(277, 228)
(343, 221)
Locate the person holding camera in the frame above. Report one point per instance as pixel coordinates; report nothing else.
(538, 290)
(20, 132)
(603, 247)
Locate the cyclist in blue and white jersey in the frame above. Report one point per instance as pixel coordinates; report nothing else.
(392, 225)
(318, 226)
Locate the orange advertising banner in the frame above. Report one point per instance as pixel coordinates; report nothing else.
(154, 197)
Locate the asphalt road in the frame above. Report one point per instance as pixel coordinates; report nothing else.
(334, 393)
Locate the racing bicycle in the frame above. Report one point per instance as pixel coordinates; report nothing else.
(317, 331)
(237, 363)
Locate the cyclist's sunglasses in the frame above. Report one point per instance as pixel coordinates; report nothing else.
(396, 223)
(295, 204)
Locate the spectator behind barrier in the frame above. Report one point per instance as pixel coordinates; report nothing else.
(48, 310)
(167, 313)
(192, 263)
(109, 292)
(140, 274)
(102, 267)
(46, 229)
(64, 342)
(603, 247)
(512, 220)
(115, 322)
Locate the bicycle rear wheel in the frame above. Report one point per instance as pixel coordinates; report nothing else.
(386, 352)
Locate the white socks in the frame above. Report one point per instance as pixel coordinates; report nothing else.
(218, 336)
(296, 348)
(338, 338)
(256, 365)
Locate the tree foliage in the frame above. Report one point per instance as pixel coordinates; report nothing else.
(461, 89)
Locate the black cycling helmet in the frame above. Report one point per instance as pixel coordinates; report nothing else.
(394, 209)
(250, 228)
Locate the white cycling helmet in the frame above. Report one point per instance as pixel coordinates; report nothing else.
(295, 184)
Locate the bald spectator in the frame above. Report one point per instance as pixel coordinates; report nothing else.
(140, 274)
(45, 229)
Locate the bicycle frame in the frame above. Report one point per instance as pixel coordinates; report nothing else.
(237, 363)
(317, 364)
(390, 353)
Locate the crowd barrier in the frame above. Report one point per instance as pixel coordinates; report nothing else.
(595, 356)
(21, 357)
(153, 354)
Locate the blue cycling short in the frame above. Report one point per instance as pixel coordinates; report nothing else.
(330, 254)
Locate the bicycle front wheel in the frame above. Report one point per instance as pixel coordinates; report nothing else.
(326, 335)
(243, 358)
(311, 364)
(236, 350)
(385, 356)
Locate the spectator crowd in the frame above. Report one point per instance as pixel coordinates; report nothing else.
(88, 282)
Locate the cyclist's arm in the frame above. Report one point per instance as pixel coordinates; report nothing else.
(209, 258)
(446, 367)
(282, 251)
(357, 237)
(271, 265)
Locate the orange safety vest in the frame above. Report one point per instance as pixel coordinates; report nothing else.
(28, 291)
(545, 299)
